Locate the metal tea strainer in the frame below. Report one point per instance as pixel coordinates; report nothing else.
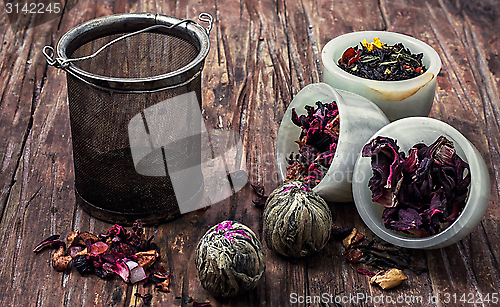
(134, 93)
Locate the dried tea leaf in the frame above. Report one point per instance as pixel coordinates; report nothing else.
(378, 61)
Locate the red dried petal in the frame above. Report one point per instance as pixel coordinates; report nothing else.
(353, 255)
(348, 54)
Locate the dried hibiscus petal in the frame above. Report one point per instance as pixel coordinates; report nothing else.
(365, 272)
(353, 255)
(260, 202)
(431, 188)
(259, 190)
(387, 165)
(317, 143)
(51, 242)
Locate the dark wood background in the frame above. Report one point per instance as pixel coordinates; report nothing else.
(262, 53)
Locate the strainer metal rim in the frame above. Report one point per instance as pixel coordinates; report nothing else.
(146, 83)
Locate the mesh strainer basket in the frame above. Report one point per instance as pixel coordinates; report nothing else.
(134, 93)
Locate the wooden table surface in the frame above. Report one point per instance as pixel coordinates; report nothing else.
(262, 53)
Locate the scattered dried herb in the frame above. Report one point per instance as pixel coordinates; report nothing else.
(229, 259)
(260, 191)
(378, 61)
(339, 234)
(146, 298)
(161, 278)
(353, 255)
(52, 242)
(353, 238)
(59, 260)
(297, 221)
(317, 143)
(380, 255)
(118, 251)
(365, 272)
(424, 193)
(388, 279)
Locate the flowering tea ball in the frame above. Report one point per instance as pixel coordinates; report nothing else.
(229, 259)
(297, 221)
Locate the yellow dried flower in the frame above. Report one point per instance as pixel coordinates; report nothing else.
(377, 43)
(368, 45)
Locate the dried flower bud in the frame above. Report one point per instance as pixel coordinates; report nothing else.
(389, 278)
(229, 259)
(297, 221)
(59, 259)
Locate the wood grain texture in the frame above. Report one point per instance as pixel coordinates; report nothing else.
(262, 53)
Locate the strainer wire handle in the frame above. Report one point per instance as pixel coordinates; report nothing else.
(207, 18)
(49, 53)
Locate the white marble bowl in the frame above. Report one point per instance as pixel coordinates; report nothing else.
(359, 120)
(398, 99)
(408, 132)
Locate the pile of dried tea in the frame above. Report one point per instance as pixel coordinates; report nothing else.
(424, 193)
(378, 61)
(229, 259)
(125, 253)
(387, 258)
(317, 143)
(297, 221)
